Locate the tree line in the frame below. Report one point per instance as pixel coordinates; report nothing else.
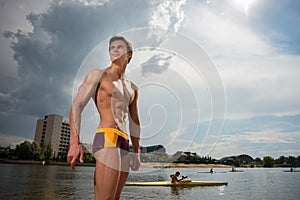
(282, 161)
(44, 152)
(266, 161)
(32, 151)
(28, 151)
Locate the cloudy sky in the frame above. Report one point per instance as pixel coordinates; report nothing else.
(216, 77)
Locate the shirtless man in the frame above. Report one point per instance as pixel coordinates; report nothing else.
(174, 178)
(115, 97)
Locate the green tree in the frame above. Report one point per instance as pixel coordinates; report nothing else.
(48, 152)
(35, 151)
(45, 151)
(258, 161)
(88, 158)
(292, 161)
(23, 151)
(7, 153)
(237, 162)
(268, 161)
(281, 160)
(42, 151)
(298, 161)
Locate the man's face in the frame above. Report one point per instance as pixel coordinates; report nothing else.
(118, 50)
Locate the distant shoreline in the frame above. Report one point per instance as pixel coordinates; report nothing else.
(143, 164)
(182, 165)
(35, 162)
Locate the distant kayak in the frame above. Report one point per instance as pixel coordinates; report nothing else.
(181, 184)
(212, 172)
(237, 171)
(291, 171)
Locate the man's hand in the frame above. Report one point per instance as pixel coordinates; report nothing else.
(75, 153)
(135, 162)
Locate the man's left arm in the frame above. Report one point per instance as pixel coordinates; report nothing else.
(135, 129)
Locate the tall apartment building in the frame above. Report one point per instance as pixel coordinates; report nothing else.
(54, 130)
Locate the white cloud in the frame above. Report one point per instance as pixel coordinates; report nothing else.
(223, 35)
(268, 136)
(11, 141)
(168, 14)
(259, 78)
(271, 140)
(92, 2)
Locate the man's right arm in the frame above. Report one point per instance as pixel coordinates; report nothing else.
(86, 91)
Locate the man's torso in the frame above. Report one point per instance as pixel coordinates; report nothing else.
(112, 98)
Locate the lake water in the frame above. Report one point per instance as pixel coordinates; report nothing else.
(60, 182)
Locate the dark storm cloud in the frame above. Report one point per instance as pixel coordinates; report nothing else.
(49, 56)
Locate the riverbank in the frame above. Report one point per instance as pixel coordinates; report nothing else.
(182, 165)
(143, 164)
(34, 162)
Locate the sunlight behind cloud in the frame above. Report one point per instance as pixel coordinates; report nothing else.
(252, 68)
(244, 4)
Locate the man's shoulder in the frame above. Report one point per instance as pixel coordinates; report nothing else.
(95, 74)
(133, 85)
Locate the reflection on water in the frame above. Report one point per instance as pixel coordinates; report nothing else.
(181, 192)
(60, 182)
(45, 182)
(49, 182)
(221, 190)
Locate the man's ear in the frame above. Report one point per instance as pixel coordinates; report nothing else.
(129, 54)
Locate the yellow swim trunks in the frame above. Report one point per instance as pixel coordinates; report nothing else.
(110, 138)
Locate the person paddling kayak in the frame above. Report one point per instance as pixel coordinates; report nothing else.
(174, 177)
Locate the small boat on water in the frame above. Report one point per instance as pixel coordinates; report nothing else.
(291, 171)
(181, 184)
(236, 171)
(211, 172)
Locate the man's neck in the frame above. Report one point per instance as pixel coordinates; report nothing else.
(117, 70)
